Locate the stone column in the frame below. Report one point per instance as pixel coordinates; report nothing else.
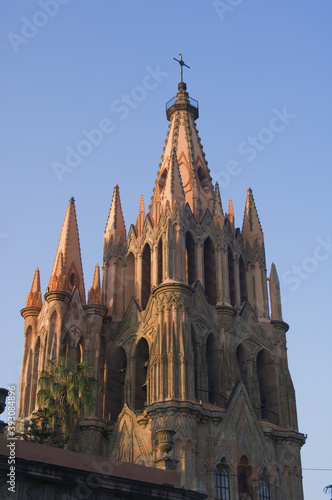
(90, 436)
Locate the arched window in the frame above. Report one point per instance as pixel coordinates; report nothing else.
(244, 474)
(221, 483)
(212, 370)
(231, 277)
(65, 348)
(80, 351)
(52, 337)
(210, 272)
(190, 259)
(243, 281)
(264, 491)
(129, 279)
(160, 261)
(115, 390)
(34, 376)
(241, 356)
(267, 387)
(141, 370)
(146, 275)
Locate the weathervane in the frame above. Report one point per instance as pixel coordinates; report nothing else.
(182, 63)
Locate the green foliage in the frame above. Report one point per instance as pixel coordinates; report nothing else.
(68, 391)
(45, 428)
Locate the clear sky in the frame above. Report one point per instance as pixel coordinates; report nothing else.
(261, 72)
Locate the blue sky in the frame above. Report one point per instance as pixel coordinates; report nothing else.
(68, 70)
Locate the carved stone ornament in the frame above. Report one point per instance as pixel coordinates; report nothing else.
(91, 431)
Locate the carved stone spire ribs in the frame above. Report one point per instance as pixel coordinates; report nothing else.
(34, 297)
(140, 217)
(251, 228)
(95, 294)
(218, 213)
(115, 225)
(276, 311)
(67, 269)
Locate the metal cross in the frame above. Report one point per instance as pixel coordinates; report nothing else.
(182, 63)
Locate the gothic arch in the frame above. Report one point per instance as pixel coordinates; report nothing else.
(243, 280)
(213, 370)
(190, 259)
(130, 278)
(141, 372)
(52, 336)
(222, 485)
(146, 275)
(34, 374)
(245, 476)
(267, 386)
(231, 276)
(242, 357)
(160, 261)
(80, 350)
(115, 384)
(209, 258)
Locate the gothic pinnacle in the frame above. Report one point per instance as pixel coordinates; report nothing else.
(115, 225)
(67, 268)
(251, 228)
(34, 298)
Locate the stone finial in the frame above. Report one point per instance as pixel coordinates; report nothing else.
(251, 228)
(115, 225)
(275, 297)
(95, 294)
(140, 217)
(218, 213)
(34, 297)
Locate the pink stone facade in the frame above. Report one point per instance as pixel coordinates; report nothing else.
(185, 338)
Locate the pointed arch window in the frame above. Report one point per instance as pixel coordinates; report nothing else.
(243, 281)
(264, 490)
(231, 277)
(212, 370)
(146, 275)
(80, 351)
(115, 384)
(129, 278)
(210, 272)
(141, 370)
(221, 483)
(190, 259)
(160, 261)
(267, 387)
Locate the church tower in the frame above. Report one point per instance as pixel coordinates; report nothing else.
(187, 343)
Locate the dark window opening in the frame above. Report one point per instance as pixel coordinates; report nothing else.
(146, 275)
(231, 277)
(210, 272)
(141, 370)
(190, 259)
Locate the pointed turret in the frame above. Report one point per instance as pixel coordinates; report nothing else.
(95, 294)
(140, 217)
(67, 271)
(218, 213)
(115, 225)
(184, 143)
(251, 228)
(34, 297)
(275, 298)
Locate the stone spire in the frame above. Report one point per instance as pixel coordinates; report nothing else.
(67, 271)
(140, 217)
(183, 142)
(230, 214)
(115, 225)
(34, 297)
(95, 294)
(251, 228)
(276, 312)
(218, 213)
(173, 191)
